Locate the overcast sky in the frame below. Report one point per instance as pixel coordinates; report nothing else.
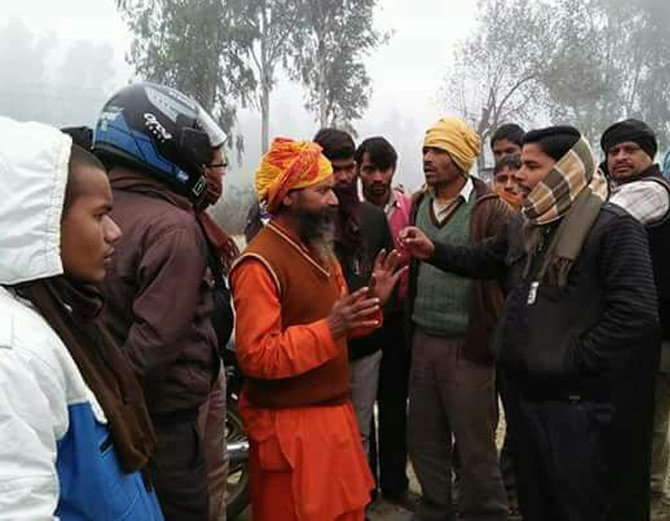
(406, 72)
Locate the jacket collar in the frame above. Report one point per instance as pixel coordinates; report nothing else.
(137, 182)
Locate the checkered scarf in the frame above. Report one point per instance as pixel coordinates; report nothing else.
(573, 192)
(553, 197)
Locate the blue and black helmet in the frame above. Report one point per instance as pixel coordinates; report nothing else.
(158, 130)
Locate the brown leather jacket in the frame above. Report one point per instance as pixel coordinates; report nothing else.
(490, 215)
(159, 299)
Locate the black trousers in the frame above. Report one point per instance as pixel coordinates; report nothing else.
(178, 468)
(392, 407)
(580, 460)
(506, 459)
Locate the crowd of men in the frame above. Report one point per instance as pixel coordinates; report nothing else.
(546, 290)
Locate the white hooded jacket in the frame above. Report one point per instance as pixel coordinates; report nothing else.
(54, 459)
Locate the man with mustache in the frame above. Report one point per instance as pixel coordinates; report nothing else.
(577, 341)
(639, 187)
(452, 379)
(361, 233)
(376, 161)
(294, 318)
(156, 142)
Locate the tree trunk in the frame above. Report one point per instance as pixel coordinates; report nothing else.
(266, 78)
(323, 102)
(265, 116)
(323, 112)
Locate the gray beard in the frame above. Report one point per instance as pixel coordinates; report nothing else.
(317, 232)
(324, 248)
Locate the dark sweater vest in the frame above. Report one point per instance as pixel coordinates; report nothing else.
(306, 293)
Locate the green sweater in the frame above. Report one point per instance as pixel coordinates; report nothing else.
(442, 302)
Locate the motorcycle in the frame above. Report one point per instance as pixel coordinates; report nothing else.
(237, 444)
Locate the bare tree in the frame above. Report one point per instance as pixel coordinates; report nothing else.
(613, 63)
(496, 73)
(586, 63)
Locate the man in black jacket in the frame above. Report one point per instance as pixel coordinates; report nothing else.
(578, 338)
(639, 187)
(361, 233)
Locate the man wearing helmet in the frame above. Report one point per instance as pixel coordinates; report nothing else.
(155, 142)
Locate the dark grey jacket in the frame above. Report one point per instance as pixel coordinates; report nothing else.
(568, 339)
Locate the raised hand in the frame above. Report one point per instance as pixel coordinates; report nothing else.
(416, 243)
(385, 274)
(353, 312)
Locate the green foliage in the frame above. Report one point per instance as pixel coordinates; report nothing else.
(193, 46)
(328, 57)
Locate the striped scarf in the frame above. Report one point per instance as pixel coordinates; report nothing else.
(573, 192)
(555, 195)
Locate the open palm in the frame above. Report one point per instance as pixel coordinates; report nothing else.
(385, 274)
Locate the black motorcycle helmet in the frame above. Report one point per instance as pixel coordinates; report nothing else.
(158, 130)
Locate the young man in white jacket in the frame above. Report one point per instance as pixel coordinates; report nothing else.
(74, 431)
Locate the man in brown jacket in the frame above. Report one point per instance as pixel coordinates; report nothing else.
(452, 381)
(155, 141)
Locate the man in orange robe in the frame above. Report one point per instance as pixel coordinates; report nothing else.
(294, 317)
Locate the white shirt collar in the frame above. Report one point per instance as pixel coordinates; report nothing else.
(465, 192)
(467, 189)
(443, 209)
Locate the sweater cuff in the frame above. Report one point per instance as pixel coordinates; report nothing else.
(440, 255)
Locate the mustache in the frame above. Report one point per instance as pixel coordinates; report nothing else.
(317, 229)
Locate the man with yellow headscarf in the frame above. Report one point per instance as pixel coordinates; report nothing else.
(294, 316)
(452, 389)
(578, 339)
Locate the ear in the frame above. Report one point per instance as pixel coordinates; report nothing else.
(289, 199)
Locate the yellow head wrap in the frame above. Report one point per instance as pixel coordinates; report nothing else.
(453, 135)
(289, 165)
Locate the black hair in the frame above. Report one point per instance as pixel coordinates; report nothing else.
(513, 162)
(336, 144)
(554, 141)
(82, 136)
(380, 151)
(510, 132)
(78, 158)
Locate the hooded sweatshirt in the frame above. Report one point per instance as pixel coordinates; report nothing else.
(56, 458)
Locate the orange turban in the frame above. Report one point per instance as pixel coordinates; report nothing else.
(289, 165)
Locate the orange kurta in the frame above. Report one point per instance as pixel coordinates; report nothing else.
(307, 464)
